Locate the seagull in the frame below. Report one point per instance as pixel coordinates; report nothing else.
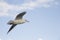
(18, 20)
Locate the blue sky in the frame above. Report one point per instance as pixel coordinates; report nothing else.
(44, 17)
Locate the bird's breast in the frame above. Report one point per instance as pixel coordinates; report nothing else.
(18, 21)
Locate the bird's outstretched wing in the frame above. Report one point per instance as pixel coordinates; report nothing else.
(19, 16)
(13, 25)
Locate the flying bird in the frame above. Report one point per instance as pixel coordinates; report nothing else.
(18, 20)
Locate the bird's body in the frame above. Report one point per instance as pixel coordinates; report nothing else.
(18, 20)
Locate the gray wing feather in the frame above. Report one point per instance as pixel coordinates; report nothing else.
(11, 28)
(19, 16)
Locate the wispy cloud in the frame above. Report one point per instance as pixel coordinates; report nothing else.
(0, 38)
(5, 7)
(40, 39)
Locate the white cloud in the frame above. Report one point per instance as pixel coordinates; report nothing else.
(10, 39)
(5, 7)
(1, 0)
(46, 5)
(0, 38)
(56, 3)
(40, 39)
(38, 3)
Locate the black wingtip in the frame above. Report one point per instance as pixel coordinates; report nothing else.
(11, 28)
(7, 32)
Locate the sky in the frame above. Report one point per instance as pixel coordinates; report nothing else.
(43, 17)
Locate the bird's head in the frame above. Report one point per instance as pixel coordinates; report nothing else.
(10, 22)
